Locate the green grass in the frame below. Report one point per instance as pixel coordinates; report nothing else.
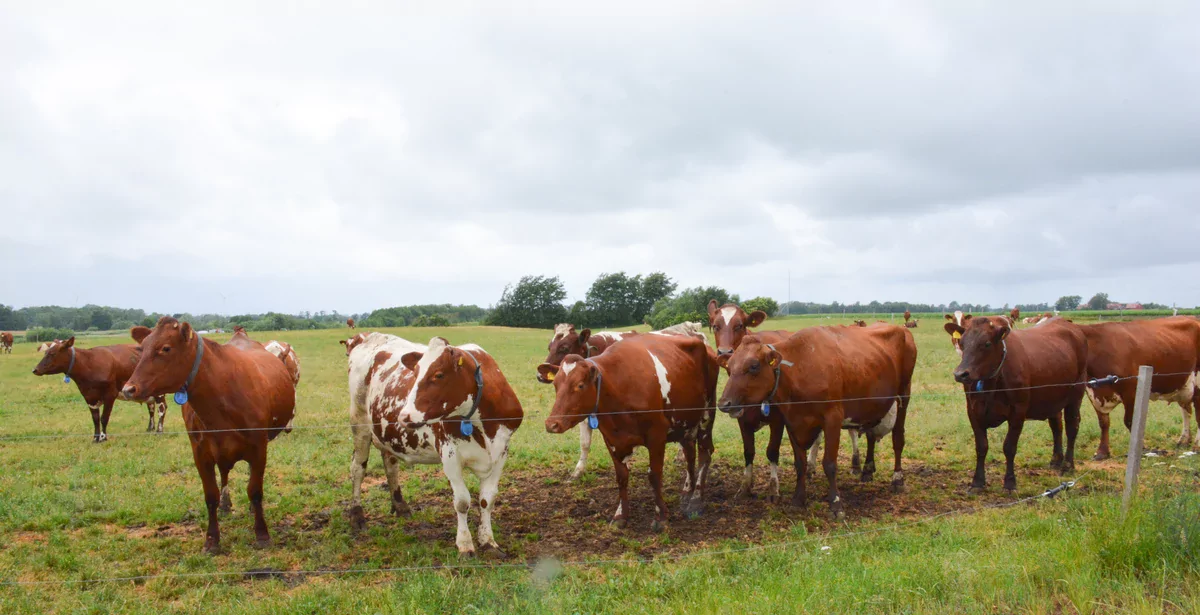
(71, 510)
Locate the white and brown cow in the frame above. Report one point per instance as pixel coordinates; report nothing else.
(44, 346)
(284, 351)
(644, 392)
(427, 405)
(567, 341)
(955, 324)
(6, 342)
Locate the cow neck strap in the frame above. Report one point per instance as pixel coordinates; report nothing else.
(70, 366)
(466, 427)
(766, 405)
(187, 384)
(1003, 358)
(594, 418)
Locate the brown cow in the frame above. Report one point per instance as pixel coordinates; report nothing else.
(1024, 375)
(236, 398)
(350, 323)
(1169, 345)
(910, 324)
(954, 326)
(730, 323)
(825, 379)
(1015, 316)
(6, 342)
(435, 404)
(907, 315)
(646, 391)
(860, 323)
(99, 373)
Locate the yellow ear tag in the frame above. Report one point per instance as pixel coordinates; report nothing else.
(191, 334)
(460, 361)
(956, 335)
(550, 376)
(772, 362)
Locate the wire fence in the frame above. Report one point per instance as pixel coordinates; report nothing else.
(552, 563)
(483, 419)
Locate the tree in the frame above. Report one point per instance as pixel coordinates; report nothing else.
(10, 320)
(771, 307)
(536, 301)
(1067, 303)
(1099, 301)
(102, 320)
(655, 287)
(613, 300)
(691, 305)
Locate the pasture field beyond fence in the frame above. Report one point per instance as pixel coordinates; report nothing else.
(73, 511)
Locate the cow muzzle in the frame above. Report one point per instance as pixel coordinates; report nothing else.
(962, 375)
(724, 351)
(129, 392)
(556, 426)
(730, 408)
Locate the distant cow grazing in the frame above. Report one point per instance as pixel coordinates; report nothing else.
(1024, 375)
(860, 323)
(44, 346)
(1170, 345)
(435, 404)
(350, 323)
(237, 398)
(954, 326)
(646, 391)
(6, 342)
(823, 380)
(910, 324)
(99, 373)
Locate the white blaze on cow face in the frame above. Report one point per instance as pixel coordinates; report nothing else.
(664, 386)
(411, 414)
(567, 367)
(728, 312)
(561, 331)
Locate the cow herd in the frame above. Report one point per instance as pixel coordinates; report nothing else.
(451, 405)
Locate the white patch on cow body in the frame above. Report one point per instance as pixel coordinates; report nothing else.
(664, 385)
(611, 335)
(436, 348)
(1104, 405)
(886, 424)
(1181, 396)
(728, 312)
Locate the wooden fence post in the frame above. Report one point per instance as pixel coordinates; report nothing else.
(1137, 432)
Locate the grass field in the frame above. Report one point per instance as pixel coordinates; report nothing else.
(71, 510)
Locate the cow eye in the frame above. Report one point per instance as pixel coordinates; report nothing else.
(166, 349)
(439, 375)
(716, 327)
(562, 350)
(738, 327)
(987, 344)
(579, 387)
(753, 368)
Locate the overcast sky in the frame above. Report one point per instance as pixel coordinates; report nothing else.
(357, 159)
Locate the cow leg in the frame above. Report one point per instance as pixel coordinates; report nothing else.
(621, 461)
(162, 412)
(95, 408)
(706, 448)
(108, 406)
(212, 499)
(1010, 453)
(854, 459)
(1056, 428)
(1196, 409)
(657, 446)
(833, 433)
(773, 445)
(800, 496)
(226, 502)
(1102, 451)
(254, 489)
(688, 446)
(747, 488)
(361, 434)
(1071, 420)
(488, 487)
(814, 452)
(868, 469)
(391, 465)
(585, 446)
(1185, 433)
(150, 409)
(979, 480)
(452, 467)
(898, 445)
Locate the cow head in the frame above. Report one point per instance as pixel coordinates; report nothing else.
(751, 376)
(57, 358)
(575, 392)
(730, 324)
(444, 383)
(565, 342)
(954, 326)
(352, 342)
(167, 354)
(983, 348)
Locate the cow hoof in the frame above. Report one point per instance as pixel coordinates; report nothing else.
(976, 489)
(1056, 464)
(492, 551)
(658, 526)
(898, 486)
(468, 554)
(212, 546)
(620, 524)
(226, 506)
(262, 543)
(867, 477)
(358, 520)
(401, 509)
(1100, 456)
(799, 502)
(744, 494)
(838, 515)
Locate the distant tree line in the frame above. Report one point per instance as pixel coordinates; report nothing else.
(442, 315)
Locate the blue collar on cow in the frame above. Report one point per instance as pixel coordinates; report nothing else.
(766, 404)
(181, 396)
(466, 427)
(593, 418)
(70, 366)
(1003, 357)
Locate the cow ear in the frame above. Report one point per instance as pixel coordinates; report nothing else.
(411, 359)
(952, 328)
(186, 331)
(584, 336)
(70, 341)
(342, 342)
(948, 316)
(966, 318)
(712, 310)
(547, 371)
(756, 318)
(1003, 333)
(139, 333)
(773, 358)
(723, 361)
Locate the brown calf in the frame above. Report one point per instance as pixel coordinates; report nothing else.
(350, 323)
(907, 315)
(910, 324)
(822, 380)
(6, 342)
(1017, 376)
(646, 391)
(236, 398)
(99, 373)
(1170, 345)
